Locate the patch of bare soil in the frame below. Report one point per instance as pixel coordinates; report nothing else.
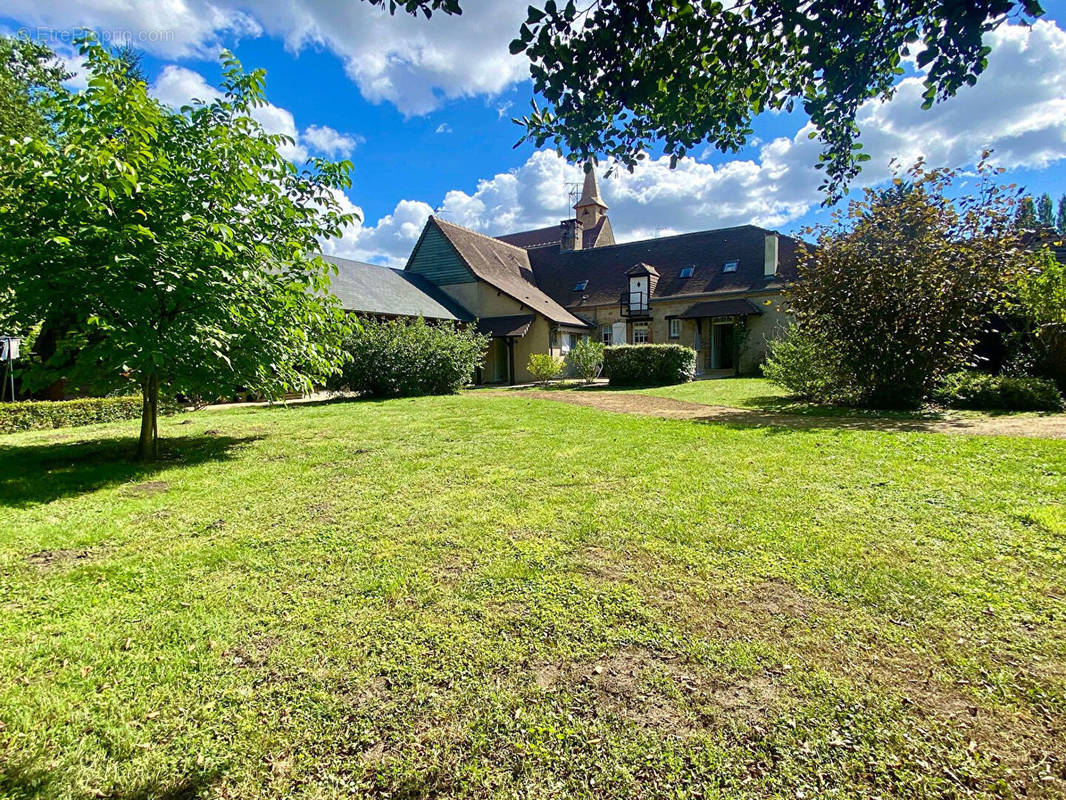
(1050, 426)
(661, 691)
(55, 559)
(148, 489)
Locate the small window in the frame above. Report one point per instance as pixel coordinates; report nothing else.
(606, 334)
(640, 333)
(729, 266)
(686, 272)
(675, 329)
(580, 286)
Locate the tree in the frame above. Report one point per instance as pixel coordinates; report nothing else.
(1025, 216)
(1040, 295)
(1060, 217)
(898, 287)
(170, 250)
(1044, 211)
(623, 77)
(27, 69)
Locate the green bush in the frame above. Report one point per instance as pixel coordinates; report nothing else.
(587, 358)
(45, 414)
(649, 364)
(544, 367)
(806, 367)
(400, 358)
(979, 390)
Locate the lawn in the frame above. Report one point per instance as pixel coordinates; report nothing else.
(761, 394)
(501, 596)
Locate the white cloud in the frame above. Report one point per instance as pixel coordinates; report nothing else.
(177, 86)
(330, 142)
(444, 127)
(411, 62)
(1018, 108)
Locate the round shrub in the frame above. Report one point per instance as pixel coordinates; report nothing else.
(399, 358)
(649, 364)
(544, 367)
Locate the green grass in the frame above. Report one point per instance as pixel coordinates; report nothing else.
(759, 393)
(484, 596)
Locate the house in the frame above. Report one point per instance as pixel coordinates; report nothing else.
(540, 291)
(716, 291)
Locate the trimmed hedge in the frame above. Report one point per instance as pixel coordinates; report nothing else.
(979, 390)
(649, 364)
(399, 358)
(33, 415)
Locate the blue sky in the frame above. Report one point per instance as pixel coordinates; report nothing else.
(422, 109)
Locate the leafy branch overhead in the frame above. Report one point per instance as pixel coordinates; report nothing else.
(623, 78)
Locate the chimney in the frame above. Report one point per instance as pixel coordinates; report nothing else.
(770, 256)
(572, 234)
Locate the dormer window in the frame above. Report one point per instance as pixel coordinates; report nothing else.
(580, 286)
(686, 272)
(730, 266)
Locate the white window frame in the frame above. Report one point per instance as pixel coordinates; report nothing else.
(644, 330)
(675, 328)
(607, 335)
(731, 265)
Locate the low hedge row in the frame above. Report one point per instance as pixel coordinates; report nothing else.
(981, 391)
(33, 415)
(649, 364)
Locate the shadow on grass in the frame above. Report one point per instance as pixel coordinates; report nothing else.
(40, 473)
(27, 779)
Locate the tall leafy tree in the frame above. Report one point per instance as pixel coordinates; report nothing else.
(1060, 216)
(27, 70)
(171, 249)
(1045, 216)
(1025, 216)
(895, 292)
(623, 77)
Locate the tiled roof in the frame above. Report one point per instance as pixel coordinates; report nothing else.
(370, 289)
(498, 327)
(558, 272)
(506, 267)
(599, 235)
(737, 307)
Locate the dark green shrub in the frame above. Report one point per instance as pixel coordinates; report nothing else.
(806, 367)
(45, 414)
(400, 358)
(979, 390)
(649, 364)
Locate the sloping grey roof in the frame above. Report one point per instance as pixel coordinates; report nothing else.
(499, 327)
(504, 266)
(597, 235)
(738, 307)
(370, 289)
(557, 272)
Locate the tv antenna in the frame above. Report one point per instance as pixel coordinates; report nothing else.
(573, 191)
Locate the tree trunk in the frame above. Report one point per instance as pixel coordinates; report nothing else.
(148, 446)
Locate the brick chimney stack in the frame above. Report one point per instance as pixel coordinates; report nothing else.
(572, 234)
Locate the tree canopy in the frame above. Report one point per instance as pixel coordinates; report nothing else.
(173, 250)
(623, 78)
(895, 291)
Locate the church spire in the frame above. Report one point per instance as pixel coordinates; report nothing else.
(590, 208)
